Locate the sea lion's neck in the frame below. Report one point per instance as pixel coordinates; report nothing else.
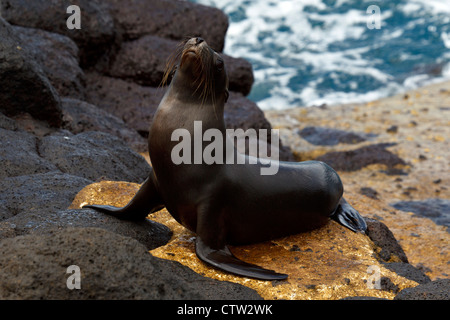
(181, 123)
(185, 107)
(176, 114)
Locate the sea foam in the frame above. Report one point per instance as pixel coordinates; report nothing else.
(315, 52)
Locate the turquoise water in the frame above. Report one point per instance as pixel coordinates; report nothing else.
(311, 52)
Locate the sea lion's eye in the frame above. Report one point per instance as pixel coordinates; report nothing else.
(219, 64)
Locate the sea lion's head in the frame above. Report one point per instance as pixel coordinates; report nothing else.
(198, 73)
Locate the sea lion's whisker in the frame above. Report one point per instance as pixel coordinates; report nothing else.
(171, 63)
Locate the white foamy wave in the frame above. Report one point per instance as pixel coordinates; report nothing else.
(433, 6)
(282, 94)
(310, 52)
(446, 39)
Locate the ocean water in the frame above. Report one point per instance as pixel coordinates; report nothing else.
(313, 52)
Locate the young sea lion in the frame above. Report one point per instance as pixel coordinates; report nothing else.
(227, 202)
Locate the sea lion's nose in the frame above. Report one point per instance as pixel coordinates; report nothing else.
(199, 40)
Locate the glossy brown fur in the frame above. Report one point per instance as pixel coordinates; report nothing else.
(227, 203)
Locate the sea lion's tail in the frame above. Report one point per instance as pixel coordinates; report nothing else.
(347, 216)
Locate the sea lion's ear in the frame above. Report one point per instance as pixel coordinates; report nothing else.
(172, 73)
(227, 94)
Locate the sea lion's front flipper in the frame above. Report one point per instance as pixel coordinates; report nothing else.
(223, 259)
(145, 201)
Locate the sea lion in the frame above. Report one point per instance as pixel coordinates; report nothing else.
(227, 203)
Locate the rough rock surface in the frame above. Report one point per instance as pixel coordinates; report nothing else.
(240, 74)
(94, 155)
(112, 94)
(143, 60)
(58, 57)
(80, 116)
(111, 267)
(19, 154)
(436, 209)
(356, 159)
(21, 75)
(434, 290)
(329, 137)
(169, 19)
(41, 221)
(97, 31)
(385, 240)
(36, 193)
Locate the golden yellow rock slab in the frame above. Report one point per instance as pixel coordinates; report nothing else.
(111, 193)
(328, 263)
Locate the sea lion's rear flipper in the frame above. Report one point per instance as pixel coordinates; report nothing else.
(346, 215)
(223, 259)
(145, 201)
